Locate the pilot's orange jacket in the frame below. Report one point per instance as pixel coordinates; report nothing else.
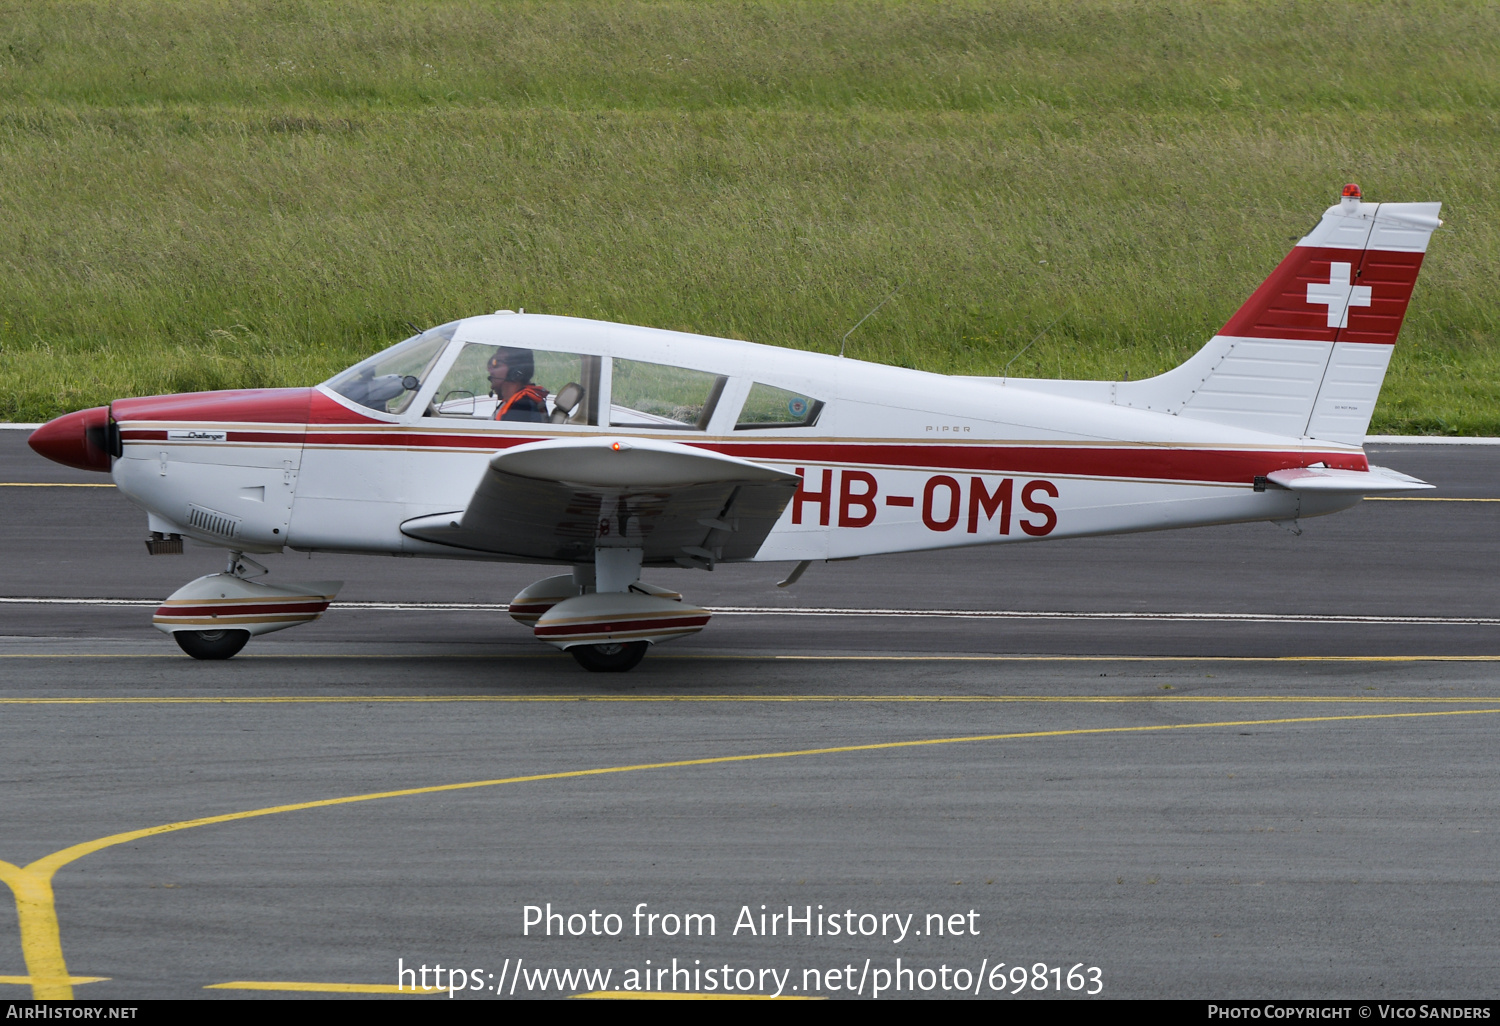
(530, 403)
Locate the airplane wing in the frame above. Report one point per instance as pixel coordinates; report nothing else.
(1377, 481)
(556, 501)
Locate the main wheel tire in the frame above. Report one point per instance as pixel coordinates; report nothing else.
(211, 644)
(611, 658)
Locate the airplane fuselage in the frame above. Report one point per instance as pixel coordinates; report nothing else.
(894, 460)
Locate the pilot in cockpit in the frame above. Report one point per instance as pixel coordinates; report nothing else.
(510, 372)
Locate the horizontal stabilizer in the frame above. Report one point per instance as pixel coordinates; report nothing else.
(1377, 481)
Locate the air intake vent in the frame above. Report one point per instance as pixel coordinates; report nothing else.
(212, 521)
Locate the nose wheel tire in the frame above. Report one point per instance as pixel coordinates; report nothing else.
(611, 658)
(212, 644)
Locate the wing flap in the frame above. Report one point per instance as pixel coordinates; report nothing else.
(556, 501)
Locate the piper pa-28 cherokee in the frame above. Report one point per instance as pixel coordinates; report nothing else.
(607, 448)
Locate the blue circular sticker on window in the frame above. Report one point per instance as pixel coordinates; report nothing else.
(798, 407)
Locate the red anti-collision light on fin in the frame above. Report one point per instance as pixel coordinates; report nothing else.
(1351, 191)
(84, 440)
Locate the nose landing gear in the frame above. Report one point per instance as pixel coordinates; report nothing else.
(214, 616)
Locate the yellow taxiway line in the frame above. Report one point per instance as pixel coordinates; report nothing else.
(36, 912)
(324, 988)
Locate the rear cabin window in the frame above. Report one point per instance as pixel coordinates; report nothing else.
(770, 407)
(653, 395)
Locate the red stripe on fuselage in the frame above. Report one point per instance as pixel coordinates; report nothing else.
(1142, 462)
(1139, 462)
(231, 410)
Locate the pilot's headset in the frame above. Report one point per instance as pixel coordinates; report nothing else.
(520, 361)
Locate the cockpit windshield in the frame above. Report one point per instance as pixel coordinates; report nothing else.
(388, 381)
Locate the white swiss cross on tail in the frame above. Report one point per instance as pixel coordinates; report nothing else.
(1338, 294)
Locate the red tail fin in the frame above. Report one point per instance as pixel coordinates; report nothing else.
(1349, 280)
(1307, 353)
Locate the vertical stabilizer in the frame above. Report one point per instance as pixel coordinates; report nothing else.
(1307, 353)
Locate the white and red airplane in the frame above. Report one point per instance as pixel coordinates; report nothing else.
(606, 448)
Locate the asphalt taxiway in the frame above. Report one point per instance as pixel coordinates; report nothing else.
(1231, 762)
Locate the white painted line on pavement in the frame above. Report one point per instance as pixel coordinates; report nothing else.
(1427, 440)
(941, 614)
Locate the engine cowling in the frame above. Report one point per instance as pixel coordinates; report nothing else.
(85, 440)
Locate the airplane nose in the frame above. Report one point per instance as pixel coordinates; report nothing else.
(85, 439)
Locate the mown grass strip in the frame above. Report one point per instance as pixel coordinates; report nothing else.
(200, 195)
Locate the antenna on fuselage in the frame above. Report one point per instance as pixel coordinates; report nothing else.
(1006, 372)
(414, 329)
(867, 316)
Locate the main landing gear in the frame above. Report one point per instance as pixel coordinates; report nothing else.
(602, 615)
(612, 657)
(214, 616)
(211, 644)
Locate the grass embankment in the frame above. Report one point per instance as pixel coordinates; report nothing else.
(207, 195)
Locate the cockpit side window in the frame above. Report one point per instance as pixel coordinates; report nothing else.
(388, 381)
(770, 407)
(516, 384)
